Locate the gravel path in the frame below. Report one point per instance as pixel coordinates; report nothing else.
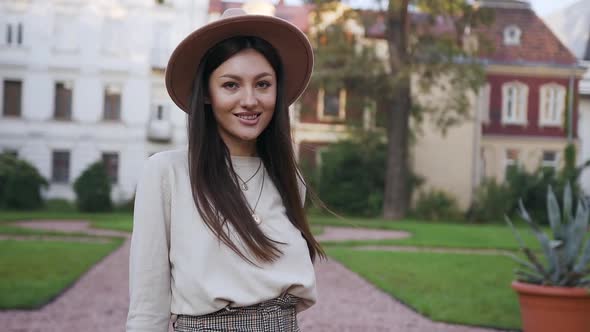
(350, 233)
(98, 301)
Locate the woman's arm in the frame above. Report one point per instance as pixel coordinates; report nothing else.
(149, 265)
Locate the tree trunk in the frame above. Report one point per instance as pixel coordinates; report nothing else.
(396, 198)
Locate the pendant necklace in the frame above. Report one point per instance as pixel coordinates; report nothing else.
(256, 217)
(244, 184)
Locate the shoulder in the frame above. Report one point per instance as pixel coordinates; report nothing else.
(169, 157)
(161, 163)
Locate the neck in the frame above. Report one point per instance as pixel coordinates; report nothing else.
(242, 149)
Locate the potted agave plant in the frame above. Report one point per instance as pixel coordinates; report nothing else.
(554, 289)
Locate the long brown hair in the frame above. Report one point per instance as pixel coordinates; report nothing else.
(214, 184)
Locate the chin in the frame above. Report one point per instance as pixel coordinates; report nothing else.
(247, 136)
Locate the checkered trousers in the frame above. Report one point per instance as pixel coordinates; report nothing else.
(276, 315)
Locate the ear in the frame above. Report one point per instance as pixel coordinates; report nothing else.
(207, 100)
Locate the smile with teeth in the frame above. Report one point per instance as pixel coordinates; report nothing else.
(248, 116)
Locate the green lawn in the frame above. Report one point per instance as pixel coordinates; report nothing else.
(34, 272)
(464, 289)
(425, 234)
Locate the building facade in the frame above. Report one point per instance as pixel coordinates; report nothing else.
(519, 117)
(82, 81)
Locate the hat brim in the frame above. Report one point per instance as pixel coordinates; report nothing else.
(291, 44)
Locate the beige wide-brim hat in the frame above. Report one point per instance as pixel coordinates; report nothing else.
(292, 46)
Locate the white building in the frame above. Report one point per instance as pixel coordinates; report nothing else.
(83, 80)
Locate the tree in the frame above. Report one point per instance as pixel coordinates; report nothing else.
(426, 52)
(20, 184)
(93, 189)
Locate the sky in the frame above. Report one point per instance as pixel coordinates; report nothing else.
(545, 7)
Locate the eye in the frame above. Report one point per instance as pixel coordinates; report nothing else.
(230, 85)
(263, 84)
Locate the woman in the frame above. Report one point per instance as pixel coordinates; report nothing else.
(220, 238)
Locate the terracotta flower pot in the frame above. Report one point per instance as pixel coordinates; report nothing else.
(552, 309)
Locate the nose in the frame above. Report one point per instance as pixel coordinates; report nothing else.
(249, 99)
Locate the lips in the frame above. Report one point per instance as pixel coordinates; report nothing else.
(248, 118)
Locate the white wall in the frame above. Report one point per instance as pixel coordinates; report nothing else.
(90, 57)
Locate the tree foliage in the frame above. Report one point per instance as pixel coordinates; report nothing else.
(93, 189)
(425, 52)
(20, 184)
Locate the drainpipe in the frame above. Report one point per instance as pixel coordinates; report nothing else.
(570, 108)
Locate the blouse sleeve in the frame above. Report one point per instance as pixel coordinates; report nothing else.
(149, 264)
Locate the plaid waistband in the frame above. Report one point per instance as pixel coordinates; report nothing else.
(275, 315)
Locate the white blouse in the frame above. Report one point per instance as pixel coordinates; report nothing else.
(177, 266)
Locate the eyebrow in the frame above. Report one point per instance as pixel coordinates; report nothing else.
(235, 77)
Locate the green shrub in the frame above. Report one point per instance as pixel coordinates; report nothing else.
(437, 205)
(492, 201)
(351, 177)
(20, 184)
(93, 189)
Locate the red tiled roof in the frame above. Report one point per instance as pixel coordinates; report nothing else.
(538, 44)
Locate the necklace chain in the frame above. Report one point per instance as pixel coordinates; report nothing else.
(244, 184)
(256, 217)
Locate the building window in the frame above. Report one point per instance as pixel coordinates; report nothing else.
(19, 34)
(10, 152)
(331, 104)
(484, 103)
(111, 162)
(511, 162)
(12, 98)
(514, 103)
(160, 112)
(550, 160)
(512, 35)
(8, 34)
(63, 101)
(551, 104)
(60, 167)
(112, 103)
(13, 34)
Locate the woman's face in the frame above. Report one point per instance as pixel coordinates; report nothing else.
(242, 93)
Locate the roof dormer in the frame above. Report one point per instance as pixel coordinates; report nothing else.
(512, 34)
